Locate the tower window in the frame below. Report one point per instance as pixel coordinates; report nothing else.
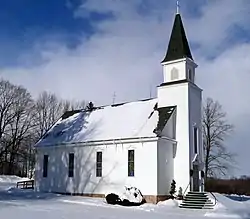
(195, 140)
(174, 74)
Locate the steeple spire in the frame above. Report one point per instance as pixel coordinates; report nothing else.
(178, 45)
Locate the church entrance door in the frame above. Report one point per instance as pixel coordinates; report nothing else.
(195, 178)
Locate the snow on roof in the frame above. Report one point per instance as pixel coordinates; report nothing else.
(121, 121)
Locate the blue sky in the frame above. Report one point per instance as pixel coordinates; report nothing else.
(23, 23)
(89, 49)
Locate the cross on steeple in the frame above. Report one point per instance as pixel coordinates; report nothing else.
(114, 96)
(177, 7)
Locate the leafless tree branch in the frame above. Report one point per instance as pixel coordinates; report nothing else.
(218, 160)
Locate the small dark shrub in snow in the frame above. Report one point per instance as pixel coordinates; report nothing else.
(172, 189)
(113, 199)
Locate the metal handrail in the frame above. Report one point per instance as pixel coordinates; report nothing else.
(186, 188)
(214, 199)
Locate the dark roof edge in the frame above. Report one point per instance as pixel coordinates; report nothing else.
(123, 103)
(178, 82)
(174, 82)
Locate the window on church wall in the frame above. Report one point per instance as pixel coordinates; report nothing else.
(174, 74)
(98, 164)
(195, 140)
(71, 165)
(45, 165)
(131, 162)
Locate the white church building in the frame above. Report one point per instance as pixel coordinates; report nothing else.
(146, 143)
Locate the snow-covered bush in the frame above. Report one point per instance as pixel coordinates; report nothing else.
(180, 194)
(131, 196)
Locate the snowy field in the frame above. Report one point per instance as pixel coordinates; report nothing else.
(24, 204)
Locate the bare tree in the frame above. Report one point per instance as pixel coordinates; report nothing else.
(7, 98)
(69, 105)
(15, 111)
(23, 121)
(218, 159)
(20, 130)
(49, 108)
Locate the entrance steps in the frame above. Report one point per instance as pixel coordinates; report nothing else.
(197, 200)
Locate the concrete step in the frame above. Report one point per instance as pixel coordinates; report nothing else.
(195, 207)
(196, 197)
(197, 201)
(197, 194)
(195, 204)
(191, 207)
(193, 192)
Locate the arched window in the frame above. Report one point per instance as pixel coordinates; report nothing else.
(174, 74)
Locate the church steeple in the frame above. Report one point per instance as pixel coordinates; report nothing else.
(178, 47)
(179, 89)
(178, 64)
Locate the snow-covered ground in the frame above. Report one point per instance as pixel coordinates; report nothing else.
(24, 204)
(229, 208)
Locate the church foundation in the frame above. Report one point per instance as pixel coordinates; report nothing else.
(154, 199)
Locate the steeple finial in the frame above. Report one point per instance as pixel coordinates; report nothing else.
(177, 7)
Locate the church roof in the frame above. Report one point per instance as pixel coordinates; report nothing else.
(178, 45)
(121, 121)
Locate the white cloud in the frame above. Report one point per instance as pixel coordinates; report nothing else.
(226, 78)
(125, 53)
(216, 27)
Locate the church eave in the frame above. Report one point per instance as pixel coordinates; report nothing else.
(102, 142)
